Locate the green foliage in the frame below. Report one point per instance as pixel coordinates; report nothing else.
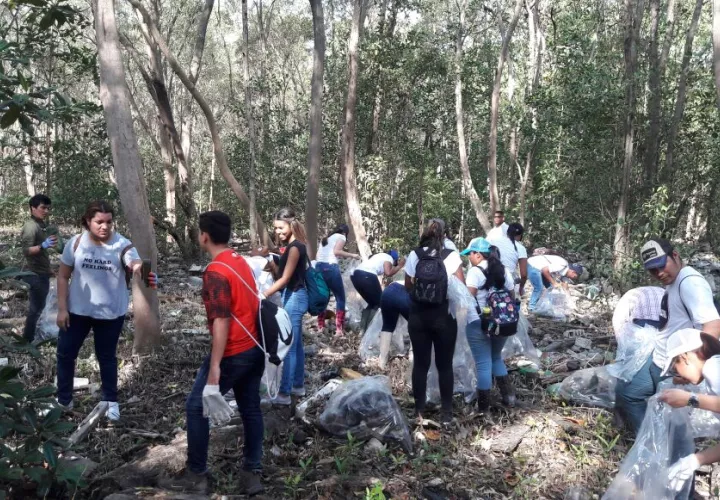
(376, 493)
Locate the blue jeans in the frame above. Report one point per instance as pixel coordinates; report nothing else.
(395, 301)
(106, 333)
(486, 350)
(539, 284)
(241, 373)
(631, 398)
(333, 278)
(293, 371)
(39, 287)
(368, 286)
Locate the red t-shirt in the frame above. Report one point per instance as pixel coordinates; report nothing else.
(225, 295)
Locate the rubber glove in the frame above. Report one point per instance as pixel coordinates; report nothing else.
(49, 242)
(214, 405)
(682, 471)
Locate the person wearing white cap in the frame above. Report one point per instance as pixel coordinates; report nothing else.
(687, 303)
(695, 356)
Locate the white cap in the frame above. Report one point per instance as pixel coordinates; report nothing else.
(680, 342)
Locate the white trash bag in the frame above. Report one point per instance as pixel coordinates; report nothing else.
(354, 303)
(554, 303)
(635, 346)
(591, 386)
(370, 342)
(520, 344)
(47, 323)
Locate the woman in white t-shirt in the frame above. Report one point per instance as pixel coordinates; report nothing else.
(366, 280)
(487, 273)
(327, 263)
(694, 356)
(513, 253)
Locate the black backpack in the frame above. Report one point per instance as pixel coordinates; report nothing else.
(431, 279)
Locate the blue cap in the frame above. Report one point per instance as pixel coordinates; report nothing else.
(394, 254)
(577, 268)
(480, 245)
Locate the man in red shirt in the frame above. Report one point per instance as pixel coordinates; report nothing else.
(236, 362)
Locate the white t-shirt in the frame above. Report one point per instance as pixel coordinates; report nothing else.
(498, 232)
(554, 263)
(449, 245)
(452, 263)
(509, 254)
(711, 374)
(97, 286)
(375, 264)
(327, 253)
(697, 297)
(476, 279)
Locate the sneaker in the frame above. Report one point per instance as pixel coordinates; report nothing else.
(113, 412)
(250, 483)
(67, 407)
(188, 481)
(298, 391)
(279, 400)
(446, 418)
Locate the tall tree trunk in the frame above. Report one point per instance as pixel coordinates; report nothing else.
(250, 121)
(655, 101)
(716, 47)
(128, 169)
(495, 107)
(634, 12)
(352, 199)
(460, 125)
(210, 118)
(668, 172)
(29, 166)
(316, 140)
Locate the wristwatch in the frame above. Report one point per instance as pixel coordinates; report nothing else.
(693, 401)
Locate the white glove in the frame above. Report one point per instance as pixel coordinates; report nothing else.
(214, 405)
(261, 296)
(682, 471)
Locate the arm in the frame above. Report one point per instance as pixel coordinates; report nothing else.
(282, 281)
(63, 279)
(523, 273)
(339, 252)
(391, 270)
(460, 275)
(221, 327)
(472, 290)
(27, 239)
(712, 328)
(408, 282)
(709, 456)
(678, 398)
(548, 276)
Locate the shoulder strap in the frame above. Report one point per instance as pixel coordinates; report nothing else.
(689, 313)
(256, 293)
(77, 242)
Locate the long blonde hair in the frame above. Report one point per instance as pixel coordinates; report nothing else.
(297, 227)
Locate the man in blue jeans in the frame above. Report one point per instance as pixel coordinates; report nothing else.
(236, 362)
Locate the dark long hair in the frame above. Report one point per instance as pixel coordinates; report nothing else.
(433, 237)
(495, 272)
(515, 229)
(341, 229)
(96, 207)
(710, 347)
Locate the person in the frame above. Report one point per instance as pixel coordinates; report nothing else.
(687, 303)
(327, 263)
(236, 360)
(487, 273)
(431, 327)
(545, 271)
(290, 278)
(639, 306)
(513, 253)
(694, 356)
(499, 228)
(35, 242)
(448, 243)
(365, 279)
(96, 299)
(394, 302)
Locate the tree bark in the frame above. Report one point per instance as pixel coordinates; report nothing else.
(495, 107)
(352, 199)
(460, 125)
(716, 47)
(316, 125)
(128, 169)
(634, 12)
(250, 121)
(655, 101)
(210, 118)
(668, 171)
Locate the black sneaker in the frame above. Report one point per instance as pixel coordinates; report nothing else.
(188, 481)
(483, 401)
(250, 483)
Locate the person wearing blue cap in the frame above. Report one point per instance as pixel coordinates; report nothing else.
(366, 281)
(546, 271)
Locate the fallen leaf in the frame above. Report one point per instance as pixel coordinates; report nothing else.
(512, 478)
(576, 421)
(432, 435)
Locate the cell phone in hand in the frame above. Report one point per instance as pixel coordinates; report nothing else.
(146, 269)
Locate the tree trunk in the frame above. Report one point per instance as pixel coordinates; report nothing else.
(655, 101)
(316, 140)
(210, 118)
(128, 169)
(28, 168)
(634, 10)
(668, 172)
(460, 125)
(716, 47)
(352, 199)
(251, 124)
(495, 108)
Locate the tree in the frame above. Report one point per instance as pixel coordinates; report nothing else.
(316, 125)
(251, 124)
(128, 168)
(716, 47)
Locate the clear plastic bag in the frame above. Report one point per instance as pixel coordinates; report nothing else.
(366, 408)
(370, 342)
(555, 303)
(521, 345)
(591, 386)
(664, 437)
(635, 345)
(354, 303)
(47, 323)
(459, 298)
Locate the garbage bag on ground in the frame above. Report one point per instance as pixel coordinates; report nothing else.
(521, 345)
(370, 342)
(47, 323)
(591, 386)
(554, 303)
(664, 437)
(366, 408)
(354, 303)
(635, 345)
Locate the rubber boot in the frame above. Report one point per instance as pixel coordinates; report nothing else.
(339, 322)
(321, 322)
(483, 400)
(385, 338)
(507, 391)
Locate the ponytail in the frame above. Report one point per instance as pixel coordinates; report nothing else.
(515, 229)
(495, 273)
(341, 229)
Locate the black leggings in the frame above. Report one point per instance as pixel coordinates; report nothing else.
(368, 286)
(432, 327)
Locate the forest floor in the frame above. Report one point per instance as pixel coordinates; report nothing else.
(543, 448)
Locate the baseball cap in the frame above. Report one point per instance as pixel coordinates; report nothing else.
(655, 252)
(394, 254)
(680, 342)
(577, 268)
(480, 245)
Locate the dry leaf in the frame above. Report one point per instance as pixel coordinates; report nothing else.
(576, 421)
(512, 478)
(432, 435)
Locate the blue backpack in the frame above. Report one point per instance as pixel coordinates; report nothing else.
(317, 290)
